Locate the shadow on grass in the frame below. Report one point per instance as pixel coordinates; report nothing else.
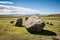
(44, 32)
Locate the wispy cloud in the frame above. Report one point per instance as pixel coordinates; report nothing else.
(5, 2)
(17, 10)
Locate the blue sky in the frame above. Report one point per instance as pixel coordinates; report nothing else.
(44, 6)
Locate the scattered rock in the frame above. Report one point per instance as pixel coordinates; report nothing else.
(50, 23)
(47, 23)
(12, 22)
(34, 24)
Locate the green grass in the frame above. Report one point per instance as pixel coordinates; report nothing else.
(10, 32)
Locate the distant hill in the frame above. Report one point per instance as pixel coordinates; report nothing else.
(18, 15)
(7, 16)
(54, 15)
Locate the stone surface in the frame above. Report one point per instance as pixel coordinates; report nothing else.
(26, 18)
(18, 22)
(34, 24)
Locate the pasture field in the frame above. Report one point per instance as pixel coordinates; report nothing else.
(11, 32)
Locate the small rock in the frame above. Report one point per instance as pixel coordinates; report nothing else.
(26, 18)
(12, 22)
(47, 23)
(18, 22)
(50, 23)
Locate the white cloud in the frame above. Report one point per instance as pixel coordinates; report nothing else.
(5, 2)
(17, 10)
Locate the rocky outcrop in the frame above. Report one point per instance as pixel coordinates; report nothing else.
(34, 24)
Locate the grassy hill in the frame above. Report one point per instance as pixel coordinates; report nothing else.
(10, 32)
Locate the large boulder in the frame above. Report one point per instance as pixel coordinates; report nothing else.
(34, 24)
(18, 22)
